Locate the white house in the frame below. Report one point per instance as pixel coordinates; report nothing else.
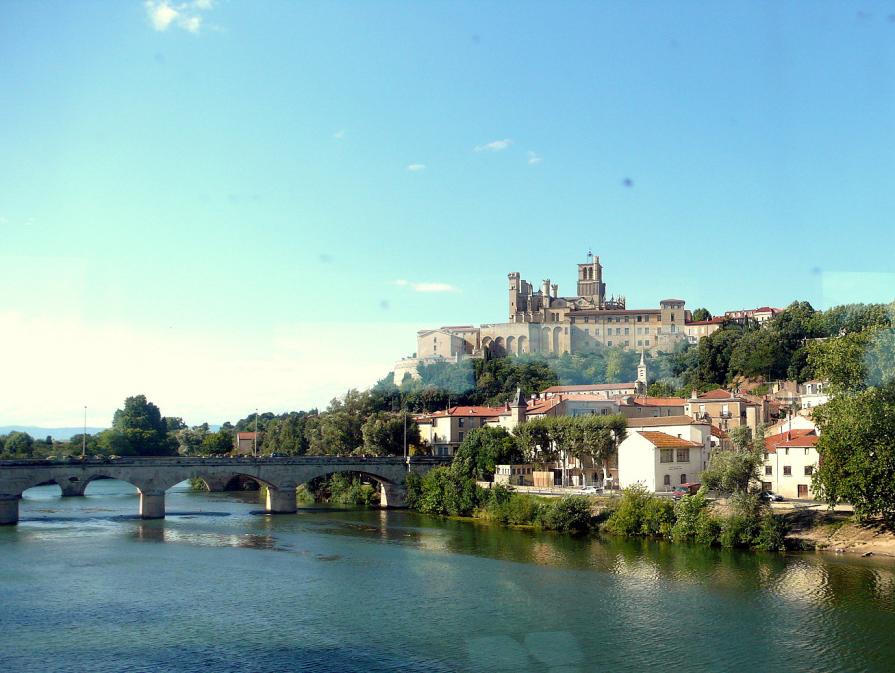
(661, 453)
(790, 459)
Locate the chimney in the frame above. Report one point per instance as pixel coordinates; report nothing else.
(694, 394)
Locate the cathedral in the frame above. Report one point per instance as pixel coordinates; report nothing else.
(541, 321)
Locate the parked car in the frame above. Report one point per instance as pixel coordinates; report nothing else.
(587, 490)
(770, 496)
(690, 488)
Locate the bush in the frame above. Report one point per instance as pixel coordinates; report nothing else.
(444, 492)
(572, 513)
(771, 533)
(708, 528)
(516, 509)
(641, 513)
(688, 513)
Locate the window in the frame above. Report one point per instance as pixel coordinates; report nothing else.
(666, 456)
(461, 422)
(639, 342)
(586, 319)
(787, 471)
(461, 436)
(666, 480)
(683, 478)
(638, 318)
(806, 451)
(683, 456)
(627, 331)
(608, 343)
(618, 330)
(768, 470)
(646, 343)
(809, 470)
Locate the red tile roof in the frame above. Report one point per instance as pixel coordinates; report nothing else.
(716, 394)
(801, 438)
(469, 411)
(719, 433)
(666, 441)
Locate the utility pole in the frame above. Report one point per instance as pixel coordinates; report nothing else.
(84, 436)
(405, 433)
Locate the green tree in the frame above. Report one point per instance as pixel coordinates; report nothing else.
(217, 443)
(482, 449)
(19, 443)
(138, 429)
(383, 434)
(734, 471)
(701, 314)
(857, 451)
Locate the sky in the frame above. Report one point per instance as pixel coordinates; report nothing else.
(231, 205)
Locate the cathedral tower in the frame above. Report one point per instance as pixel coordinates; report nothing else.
(590, 280)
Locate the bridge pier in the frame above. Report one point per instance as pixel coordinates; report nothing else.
(152, 505)
(71, 489)
(391, 495)
(281, 500)
(9, 510)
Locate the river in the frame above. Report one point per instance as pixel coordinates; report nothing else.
(219, 586)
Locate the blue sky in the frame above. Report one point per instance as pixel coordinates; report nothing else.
(204, 201)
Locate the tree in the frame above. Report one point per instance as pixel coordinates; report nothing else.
(734, 471)
(19, 443)
(484, 448)
(189, 440)
(383, 434)
(857, 451)
(533, 438)
(138, 429)
(218, 443)
(701, 314)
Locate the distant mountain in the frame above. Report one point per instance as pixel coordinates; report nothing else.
(59, 434)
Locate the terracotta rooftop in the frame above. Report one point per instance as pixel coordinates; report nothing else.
(712, 321)
(716, 394)
(719, 433)
(469, 411)
(665, 441)
(800, 438)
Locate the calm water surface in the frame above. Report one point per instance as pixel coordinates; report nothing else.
(219, 586)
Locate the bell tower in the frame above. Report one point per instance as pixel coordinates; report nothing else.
(642, 379)
(590, 280)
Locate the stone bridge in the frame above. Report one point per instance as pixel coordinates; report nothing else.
(154, 476)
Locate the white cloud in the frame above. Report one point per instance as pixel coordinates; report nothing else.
(494, 146)
(185, 15)
(416, 168)
(534, 158)
(425, 286)
(339, 135)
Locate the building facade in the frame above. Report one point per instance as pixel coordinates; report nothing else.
(541, 321)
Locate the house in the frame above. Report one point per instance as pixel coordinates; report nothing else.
(761, 315)
(812, 394)
(445, 430)
(726, 410)
(514, 475)
(648, 407)
(696, 329)
(605, 391)
(790, 459)
(661, 453)
(246, 443)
